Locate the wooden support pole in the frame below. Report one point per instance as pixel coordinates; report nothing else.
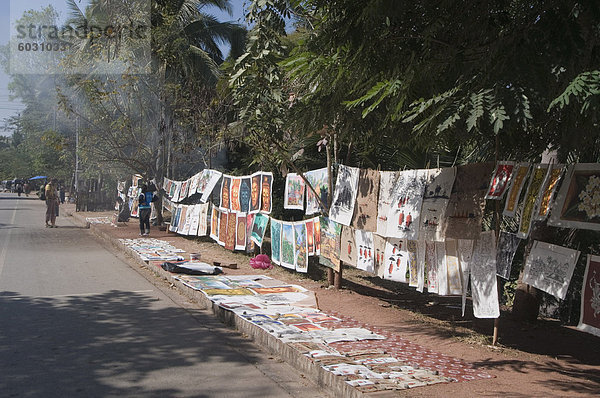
(330, 276)
(338, 278)
(497, 219)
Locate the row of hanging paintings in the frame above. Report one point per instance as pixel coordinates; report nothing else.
(246, 194)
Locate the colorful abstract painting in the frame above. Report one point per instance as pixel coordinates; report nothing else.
(589, 320)
(240, 234)
(293, 197)
(464, 214)
(550, 185)
(266, 202)
(435, 202)
(300, 247)
(255, 192)
(387, 185)
(521, 172)
(319, 180)
(505, 253)
(577, 204)
(500, 180)
(483, 277)
(235, 194)
(344, 197)
(276, 241)
(310, 236)
(395, 260)
(225, 193)
(330, 243)
(405, 212)
(550, 268)
(365, 215)
(366, 250)
(259, 228)
(348, 251)
(287, 245)
(533, 194)
(230, 238)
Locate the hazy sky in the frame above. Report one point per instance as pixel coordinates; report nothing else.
(10, 108)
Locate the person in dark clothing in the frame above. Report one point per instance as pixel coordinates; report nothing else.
(145, 208)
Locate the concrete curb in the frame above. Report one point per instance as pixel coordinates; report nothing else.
(331, 383)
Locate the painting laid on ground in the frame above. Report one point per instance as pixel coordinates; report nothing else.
(344, 198)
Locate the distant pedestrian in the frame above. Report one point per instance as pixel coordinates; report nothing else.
(26, 189)
(61, 192)
(145, 208)
(19, 188)
(51, 203)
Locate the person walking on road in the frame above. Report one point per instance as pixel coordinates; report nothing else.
(145, 208)
(51, 203)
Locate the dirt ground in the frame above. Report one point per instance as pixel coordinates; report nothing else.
(539, 359)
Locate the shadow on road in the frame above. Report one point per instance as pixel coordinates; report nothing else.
(112, 344)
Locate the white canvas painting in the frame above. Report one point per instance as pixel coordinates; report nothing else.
(483, 277)
(344, 198)
(366, 251)
(387, 185)
(404, 214)
(435, 202)
(395, 260)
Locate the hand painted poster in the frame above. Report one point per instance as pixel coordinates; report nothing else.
(442, 269)
(505, 253)
(176, 191)
(249, 225)
(521, 172)
(175, 214)
(330, 243)
(344, 197)
(223, 217)
(225, 193)
(465, 252)
(420, 266)
(194, 184)
(165, 186)
(483, 277)
(134, 205)
(191, 215)
(255, 192)
(214, 223)
(348, 251)
(319, 180)
(293, 197)
(245, 186)
(435, 203)
(258, 228)
(536, 182)
(194, 219)
(266, 192)
(365, 216)
(411, 249)
(185, 186)
(577, 204)
(431, 266)
(589, 320)
(379, 246)
(387, 186)
(500, 180)
(207, 182)
(203, 219)
(300, 247)
(453, 268)
(276, 241)
(467, 201)
(236, 205)
(310, 236)
(364, 245)
(240, 235)
(231, 231)
(550, 268)
(287, 245)
(317, 222)
(550, 185)
(404, 216)
(182, 219)
(396, 260)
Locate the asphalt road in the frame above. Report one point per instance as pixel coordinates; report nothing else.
(77, 321)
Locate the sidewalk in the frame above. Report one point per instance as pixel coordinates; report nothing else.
(545, 363)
